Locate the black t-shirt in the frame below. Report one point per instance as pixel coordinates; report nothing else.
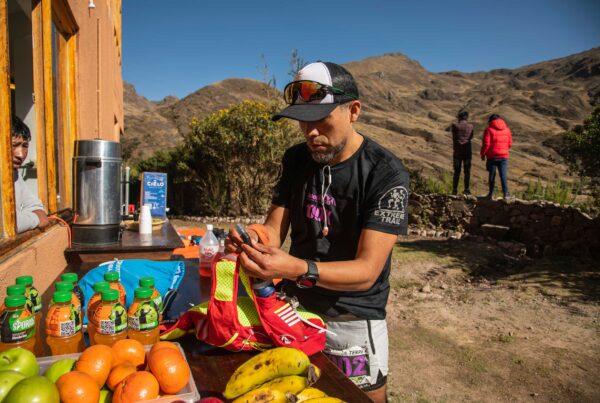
(367, 191)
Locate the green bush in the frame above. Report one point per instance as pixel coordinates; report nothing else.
(557, 192)
(427, 184)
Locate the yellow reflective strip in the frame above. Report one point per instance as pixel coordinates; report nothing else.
(230, 340)
(282, 308)
(225, 273)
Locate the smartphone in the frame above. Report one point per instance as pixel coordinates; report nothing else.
(243, 234)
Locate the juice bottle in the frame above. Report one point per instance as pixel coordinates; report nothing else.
(110, 318)
(92, 305)
(67, 286)
(17, 325)
(113, 278)
(15, 289)
(142, 317)
(74, 279)
(61, 334)
(156, 297)
(34, 304)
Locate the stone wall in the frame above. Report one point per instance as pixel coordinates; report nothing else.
(521, 227)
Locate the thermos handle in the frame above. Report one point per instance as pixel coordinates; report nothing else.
(93, 161)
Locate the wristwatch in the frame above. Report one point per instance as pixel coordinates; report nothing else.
(310, 278)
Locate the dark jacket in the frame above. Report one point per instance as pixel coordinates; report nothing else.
(497, 140)
(462, 133)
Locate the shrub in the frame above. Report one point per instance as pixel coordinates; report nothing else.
(557, 192)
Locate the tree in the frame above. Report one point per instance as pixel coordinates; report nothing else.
(296, 63)
(582, 147)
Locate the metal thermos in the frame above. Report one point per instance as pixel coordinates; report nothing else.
(97, 192)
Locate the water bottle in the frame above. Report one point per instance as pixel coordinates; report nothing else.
(145, 220)
(263, 288)
(209, 248)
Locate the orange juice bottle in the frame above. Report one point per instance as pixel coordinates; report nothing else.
(61, 335)
(74, 279)
(142, 317)
(34, 304)
(110, 318)
(156, 297)
(92, 305)
(17, 325)
(15, 289)
(113, 278)
(67, 286)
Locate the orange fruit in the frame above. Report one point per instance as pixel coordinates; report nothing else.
(129, 350)
(170, 369)
(119, 373)
(139, 386)
(164, 344)
(96, 361)
(78, 387)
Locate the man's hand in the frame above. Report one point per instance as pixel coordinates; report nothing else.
(483, 157)
(234, 242)
(269, 262)
(44, 222)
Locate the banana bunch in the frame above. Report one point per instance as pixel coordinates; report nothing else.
(279, 375)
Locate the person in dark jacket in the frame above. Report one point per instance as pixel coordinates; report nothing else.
(495, 146)
(462, 134)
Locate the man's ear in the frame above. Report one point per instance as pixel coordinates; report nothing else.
(354, 111)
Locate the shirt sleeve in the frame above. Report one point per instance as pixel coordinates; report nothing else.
(387, 202)
(282, 190)
(26, 203)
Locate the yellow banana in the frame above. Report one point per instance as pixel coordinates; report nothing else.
(262, 394)
(263, 367)
(325, 399)
(309, 393)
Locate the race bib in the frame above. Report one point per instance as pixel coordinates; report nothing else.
(353, 362)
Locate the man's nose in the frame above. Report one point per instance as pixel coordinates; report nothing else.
(18, 152)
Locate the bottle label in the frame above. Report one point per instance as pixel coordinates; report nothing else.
(111, 319)
(142, 316)
(18, 325)
(61, 320)
(157, 299)
(208, 252)
(34, 300)
(76, 309)
(119, 287)
(92, 305)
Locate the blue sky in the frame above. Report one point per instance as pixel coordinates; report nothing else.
(179, 46)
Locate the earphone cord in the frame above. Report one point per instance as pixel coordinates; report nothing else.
(324, 191)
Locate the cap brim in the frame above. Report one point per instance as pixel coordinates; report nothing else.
(306, 112)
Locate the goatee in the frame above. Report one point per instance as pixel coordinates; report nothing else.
(328, 156)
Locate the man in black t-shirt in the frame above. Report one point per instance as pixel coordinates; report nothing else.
(345, 198)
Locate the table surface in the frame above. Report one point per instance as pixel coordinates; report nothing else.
(163, 238)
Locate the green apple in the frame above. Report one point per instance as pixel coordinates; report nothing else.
(105, 396)
(8, 379)
(20, 360)
(35, 389)
(59, 368)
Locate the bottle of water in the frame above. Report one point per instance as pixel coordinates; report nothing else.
(263, 288)
(145, 220)
(209, 248)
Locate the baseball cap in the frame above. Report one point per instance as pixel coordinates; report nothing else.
(339, 86)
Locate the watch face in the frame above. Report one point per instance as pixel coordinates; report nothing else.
(306, 282)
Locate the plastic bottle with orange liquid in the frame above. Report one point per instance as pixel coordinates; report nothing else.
(61, 334)
(113, 278)
(15, 289)
(68, 286)
(17, 325)
(142, 317)
(74, 279)
(111, 319)
(34, 304)
(92, 305)
(156, 297)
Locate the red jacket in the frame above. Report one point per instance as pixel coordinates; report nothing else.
(497, 140)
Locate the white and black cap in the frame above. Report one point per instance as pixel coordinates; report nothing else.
(329, 74)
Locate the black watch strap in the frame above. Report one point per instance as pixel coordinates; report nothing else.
(310, 278)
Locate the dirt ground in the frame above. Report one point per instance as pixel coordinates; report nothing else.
(467, 323)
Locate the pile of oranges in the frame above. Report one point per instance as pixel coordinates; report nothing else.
(127, 371)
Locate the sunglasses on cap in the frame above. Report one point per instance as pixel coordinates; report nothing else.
(310, 91)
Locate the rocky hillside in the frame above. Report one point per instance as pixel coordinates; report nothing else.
(408, 109)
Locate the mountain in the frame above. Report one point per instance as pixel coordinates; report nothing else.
(407, 109)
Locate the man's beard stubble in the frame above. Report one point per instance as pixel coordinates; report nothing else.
(327, 157)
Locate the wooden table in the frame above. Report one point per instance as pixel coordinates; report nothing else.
(133, 245)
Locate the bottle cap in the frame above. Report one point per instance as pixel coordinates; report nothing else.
(62, 296)
(110, 295)
(25, 280)
(15, 289)
(111, 276)
(13, 301)
(147, 281)
(72, 277)
(63, 286)
(101, 286)
(209, 227)
(143, 292)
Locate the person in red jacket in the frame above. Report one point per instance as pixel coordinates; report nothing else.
(496, 143)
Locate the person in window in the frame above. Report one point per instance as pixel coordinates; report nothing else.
(30, 210)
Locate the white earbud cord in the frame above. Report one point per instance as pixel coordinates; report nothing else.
(324, 191)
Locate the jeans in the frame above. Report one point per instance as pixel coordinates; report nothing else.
(466, 162)
(502, 165)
